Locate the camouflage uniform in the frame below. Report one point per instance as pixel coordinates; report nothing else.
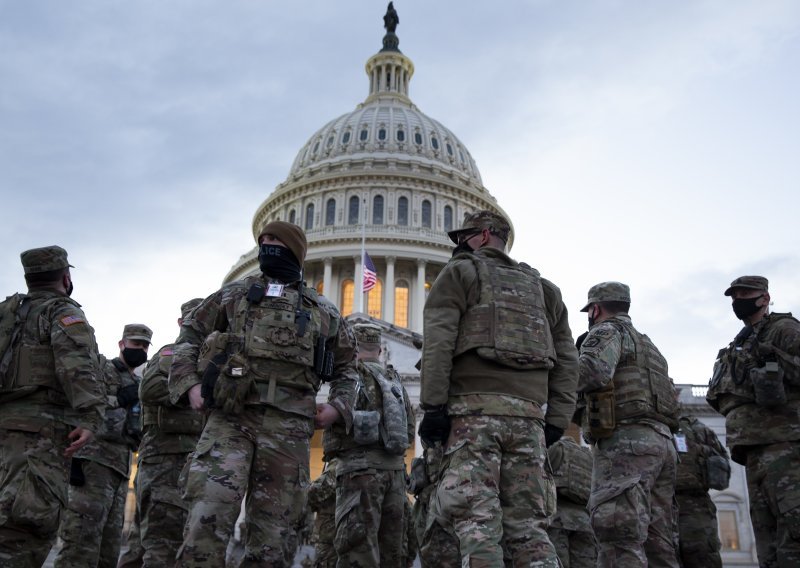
(756, 386)
(570, 530)
(91, 529)
(494, 387)
(699, 452)
(256, 439)
(370, 473)
(49, 386)
(322, 500)
(633, 480)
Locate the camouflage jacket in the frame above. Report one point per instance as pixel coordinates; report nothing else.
(701, 443)
(445, 379)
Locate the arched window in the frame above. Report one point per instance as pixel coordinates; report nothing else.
(309, 216)
(382, 134)
(402, 211)
(426, 214)
(401, 136)
(418, 139)
(330, 212)
(363, 135)
(374, 300)
(401, 303)
(377, 210)
(352, 211)
(348, 295)
(448, 218)
(434, 143)
(346, 137)
(292, 216)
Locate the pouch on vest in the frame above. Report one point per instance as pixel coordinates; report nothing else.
(718, 471)
(233, 386)
(768, 384)
(179, 420)
(417, 479)
(395, 421)
(600, 413)
(366, 424)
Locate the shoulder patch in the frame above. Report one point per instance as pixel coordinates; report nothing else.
(167, 352)
(67, 321)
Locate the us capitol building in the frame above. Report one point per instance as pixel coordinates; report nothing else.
(391, 175)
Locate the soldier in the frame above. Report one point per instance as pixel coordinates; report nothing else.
(170, 435)
(570, 529)
(702, 465)
(91, 528)
(370, 473)
(51, 403)
(268, 343)
(631, 410)
(493, 386)
(756, 386)
(322, 500)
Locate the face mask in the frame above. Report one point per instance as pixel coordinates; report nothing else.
(591, 317)
(463, 247)
(134, 357)
(70, 288)
(745, 307)
(279, 263)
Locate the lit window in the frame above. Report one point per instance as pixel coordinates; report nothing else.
(348, 295)
(319, 287)
(309, 216)
(374, 297)
(426, 214)
(448, 218)
(401, 304)
(402, 211)
(728, 530)
(377, 210)
(427, 288)
(352, 211)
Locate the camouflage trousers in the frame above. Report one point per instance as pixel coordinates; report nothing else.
(33, 490)
(91, 527)
(497, 491)
(324, 535)
(410, 544)
(437, 547)
(264, 453)
(698, 536)
(162, 510)
(370, 530)
(632, 502)
(773, 481)
(572, 535)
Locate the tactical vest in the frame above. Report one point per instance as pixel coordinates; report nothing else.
(642, 387)
(509, 322)
(266, 333)
(691, 473)
(32, 364)
(572, 470)
(168, 418)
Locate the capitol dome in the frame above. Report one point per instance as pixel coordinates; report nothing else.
(385, 177)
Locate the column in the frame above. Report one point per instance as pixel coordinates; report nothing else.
(419, 297)
(388, 290)
(326, 278)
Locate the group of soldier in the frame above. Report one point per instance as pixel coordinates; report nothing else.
(222, 421)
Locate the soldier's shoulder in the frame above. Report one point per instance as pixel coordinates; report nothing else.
(167, 350)
(783, 321)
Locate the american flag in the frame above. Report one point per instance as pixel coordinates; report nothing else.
(370, 276)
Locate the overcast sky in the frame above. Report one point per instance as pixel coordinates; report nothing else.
(656, 143)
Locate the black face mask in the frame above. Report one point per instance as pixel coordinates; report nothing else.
(279, 263)
(134, 356)
(745, 307)
(70, 288)
(462, 247)
(591, 317)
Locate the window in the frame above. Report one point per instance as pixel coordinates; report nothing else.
(309, 216)
(292, 216)
(402, 211)
(401, 304)
(363, 135)
(382, 134)
(348, 295)
(329, 143)
(418, 139)
(434, 143)
(728, 530)
(346, 137)
(374, 298)
(319, 287)
(377, 210)
(449, 149)
(330, 212)
(426, 214)
(448, 218)
(352, 211)
(316, 147)
(401, 136)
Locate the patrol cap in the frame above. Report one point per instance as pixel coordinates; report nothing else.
(292, 236)
(187, 307)
(137, 331)
(750, 282)
(367, 333)
(480, 220)
(44, 259)
(608, 292)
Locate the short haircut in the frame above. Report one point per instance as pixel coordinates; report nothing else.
(41, 279)
(616, 307)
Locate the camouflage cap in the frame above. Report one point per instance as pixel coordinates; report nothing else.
(485, 219)
(137, 331)
(292, 236)
(187, 307)
(608, 292)
(44, 259)
(751, 282)
(367, 333)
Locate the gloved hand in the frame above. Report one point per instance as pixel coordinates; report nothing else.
(128, 396)
(552, 434)
(435, 426)
(580, 340)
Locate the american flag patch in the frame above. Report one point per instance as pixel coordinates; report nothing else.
(71, 320)
(167, 352)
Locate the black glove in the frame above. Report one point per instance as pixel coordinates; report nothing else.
(435, 426)
(552, 434)
(579, 341)
(128, 396)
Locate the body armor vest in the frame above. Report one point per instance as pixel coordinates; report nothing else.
(642, 387)
(572, 470)
(691, 473)
(509, 323)
(168, 418)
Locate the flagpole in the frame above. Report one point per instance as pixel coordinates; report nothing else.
(363, 249)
